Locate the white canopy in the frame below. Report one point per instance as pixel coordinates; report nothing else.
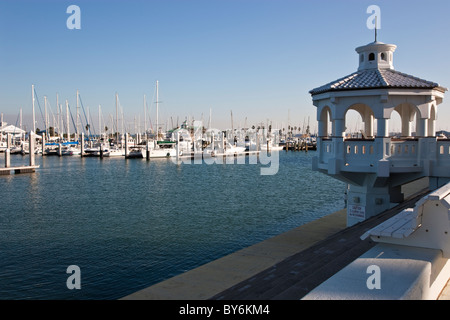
(11, 129)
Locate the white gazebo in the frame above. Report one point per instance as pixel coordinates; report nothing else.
(375, 165)
(11, 129)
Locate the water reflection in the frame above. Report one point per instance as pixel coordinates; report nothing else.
(131, 223)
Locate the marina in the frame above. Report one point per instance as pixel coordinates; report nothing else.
(132, 223)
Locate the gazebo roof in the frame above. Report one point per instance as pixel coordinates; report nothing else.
(376, 79)
(11, 129)
(376, 71)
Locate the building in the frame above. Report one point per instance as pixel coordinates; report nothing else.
(11, 129)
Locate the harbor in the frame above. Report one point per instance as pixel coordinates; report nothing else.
(132, 223)
(190, 140)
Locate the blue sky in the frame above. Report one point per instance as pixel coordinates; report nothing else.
(256, 58)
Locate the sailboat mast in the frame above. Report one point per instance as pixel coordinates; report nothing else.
(34, 116)
(45, 119)
(67, 120)
(209, 125)
(232, 124)
(145, 118)
(78, 117)
(117, 120)
(157, 110)
(58, 116)
(100, 120)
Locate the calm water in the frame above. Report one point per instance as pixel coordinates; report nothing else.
(129, 224)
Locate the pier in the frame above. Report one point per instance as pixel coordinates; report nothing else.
(19, 169)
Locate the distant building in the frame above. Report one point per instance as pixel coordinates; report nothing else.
(13, 130)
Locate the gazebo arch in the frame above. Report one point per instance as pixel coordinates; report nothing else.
(407, 112)
(432, 121)
(324, 121)
(367, 117)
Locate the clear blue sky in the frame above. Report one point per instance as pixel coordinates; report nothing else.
(256, 58)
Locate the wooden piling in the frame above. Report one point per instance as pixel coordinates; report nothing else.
(82, 144)
(126, 145)
(31, 143)
(7, 158)
(177, 147)
(43, 144)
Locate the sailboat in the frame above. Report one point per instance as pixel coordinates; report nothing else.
(113, 152)
(161, 148)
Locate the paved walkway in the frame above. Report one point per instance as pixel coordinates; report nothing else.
(296, 276)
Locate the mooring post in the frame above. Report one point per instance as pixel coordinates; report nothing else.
(43, 144)
(126, 145)
(31, 143)
(82, 144)
(257, 141)
(8, 151)
(177, 147)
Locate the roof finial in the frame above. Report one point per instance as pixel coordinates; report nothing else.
(376, 19)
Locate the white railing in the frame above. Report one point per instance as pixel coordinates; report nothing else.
(326, 150)
(365, 153)
(360, 152)
(362, 155)
(443, 153)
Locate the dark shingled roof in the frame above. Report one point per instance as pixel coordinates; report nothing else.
(374, 79)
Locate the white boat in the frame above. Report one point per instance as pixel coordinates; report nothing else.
(70, 151)
(135, 153)
(3, 146)
(113, 152)
(16, 149)
(163, 153)
(271, 147)
(235, 150)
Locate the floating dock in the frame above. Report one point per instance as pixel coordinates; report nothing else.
(20, 169)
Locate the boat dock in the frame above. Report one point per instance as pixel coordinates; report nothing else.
(286, 267)
(18, 169)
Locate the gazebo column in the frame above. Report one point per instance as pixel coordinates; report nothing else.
(338, 128)
(431, 128)
(422, 127)
(322, 129)
(368, 125)
(382, 128)
(366, 201)
(406, 126)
